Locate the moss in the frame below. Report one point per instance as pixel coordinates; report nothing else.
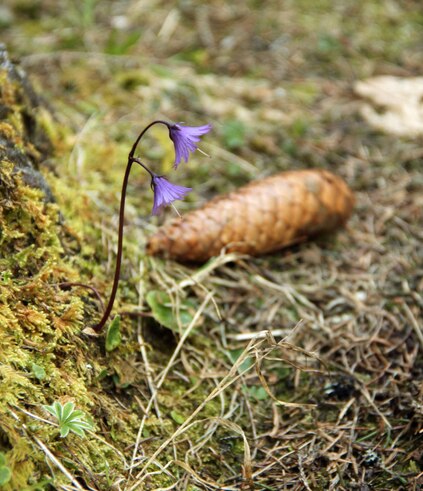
(40, 323)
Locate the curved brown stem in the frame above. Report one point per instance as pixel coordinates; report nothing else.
(67, 284)
(143, 132)
(98, 327)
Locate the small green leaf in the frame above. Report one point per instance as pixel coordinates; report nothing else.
(161, 308)
(69, 418)
(5, 475)
(50, 409)
(77, 414)
(113, 336)
(81, 424)
(58, 410)
(68, 409)
(78, 430)
(235, 354)
(234, 133)
(38, 371)
(178, 418)
(258, 393)
(2, 459)
(145, 432)
(103, 374)
(64, 430)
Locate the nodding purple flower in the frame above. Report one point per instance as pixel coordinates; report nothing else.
(165, 193)
(185, 138)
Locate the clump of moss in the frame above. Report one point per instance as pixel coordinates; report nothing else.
(43, 356)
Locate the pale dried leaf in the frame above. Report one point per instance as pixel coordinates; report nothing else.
(396, 104)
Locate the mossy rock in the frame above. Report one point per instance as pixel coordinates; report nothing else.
(23, 141)
(40, 322)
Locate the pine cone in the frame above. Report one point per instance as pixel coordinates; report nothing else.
(260, 217)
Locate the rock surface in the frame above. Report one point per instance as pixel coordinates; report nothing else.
(23, 141)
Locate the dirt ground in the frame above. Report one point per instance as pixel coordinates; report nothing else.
(296, 370)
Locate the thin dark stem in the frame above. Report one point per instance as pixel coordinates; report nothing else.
(69, 284)
(143, 132)
(138, 161)
(131, 160)
(109, 306)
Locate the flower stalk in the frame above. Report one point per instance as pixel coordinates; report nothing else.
(184, 139)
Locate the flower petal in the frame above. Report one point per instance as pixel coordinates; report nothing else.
(165, 193)
(185, 138)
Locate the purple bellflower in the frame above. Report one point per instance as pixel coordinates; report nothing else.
(165, 193)
(185, 138)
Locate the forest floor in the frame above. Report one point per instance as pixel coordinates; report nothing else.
(301, 369)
